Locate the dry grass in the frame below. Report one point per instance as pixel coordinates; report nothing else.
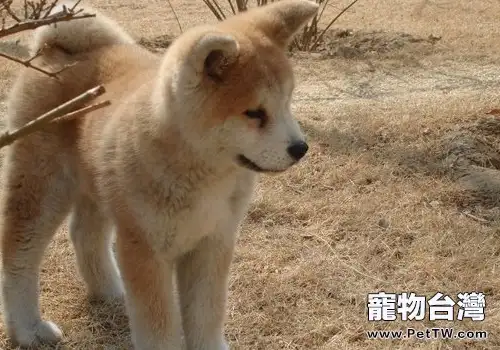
(387, 198)
(309, 37)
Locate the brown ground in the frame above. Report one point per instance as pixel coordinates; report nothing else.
(400, 191)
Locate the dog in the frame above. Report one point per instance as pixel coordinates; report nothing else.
(165, 173)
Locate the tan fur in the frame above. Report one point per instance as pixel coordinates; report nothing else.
(161, 168)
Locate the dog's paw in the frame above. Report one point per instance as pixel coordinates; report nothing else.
(44, 332)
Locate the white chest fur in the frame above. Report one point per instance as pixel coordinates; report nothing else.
(176, 226)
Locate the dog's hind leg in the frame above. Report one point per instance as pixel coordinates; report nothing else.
(35, 200)
(91, 234)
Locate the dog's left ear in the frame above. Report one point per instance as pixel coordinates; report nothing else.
(214, 53)
(281, 20)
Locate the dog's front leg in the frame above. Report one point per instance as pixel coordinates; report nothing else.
(153, 316)
(202, 280)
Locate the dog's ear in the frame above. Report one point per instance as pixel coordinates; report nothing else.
(214, 53)
(281, 20)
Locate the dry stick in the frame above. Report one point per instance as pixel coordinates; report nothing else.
(51, 7)
(325, 4)
(25, 7)
(75, 5)
(81, 111)
(330, 24)
(220, 9)
(27, 63)
(232, 7)
(242, 5)
(175, 15)
(9, 137)
(10, 12)
(351, 267)
(213, 9)
(35, 23)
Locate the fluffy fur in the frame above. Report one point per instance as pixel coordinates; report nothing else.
(170, 168)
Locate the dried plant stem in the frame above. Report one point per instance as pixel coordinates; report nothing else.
(35, 23)
(27, 63)
(81, 111)
(175, 15)
(320, 36)
(62, 111)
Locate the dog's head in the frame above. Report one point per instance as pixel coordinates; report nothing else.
(229, 87)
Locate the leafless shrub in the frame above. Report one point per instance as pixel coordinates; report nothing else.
(311, 35)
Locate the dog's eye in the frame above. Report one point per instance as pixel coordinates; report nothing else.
(259, 114)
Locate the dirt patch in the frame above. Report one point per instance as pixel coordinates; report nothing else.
(471, 157)
(475, 145)
(357, 44)
(157, 43)
(345, 43)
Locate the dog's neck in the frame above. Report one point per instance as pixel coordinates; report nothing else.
(182, 157)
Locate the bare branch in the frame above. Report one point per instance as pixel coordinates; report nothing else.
(81, 111)
(175, 15)
(35, 23)
(319, 37)
(219, 8)
(50, 8)
(232, 7)
(75, 5)
(214, 6)
(8, 9)
(242, 5)
(63, 111)
(27, 63)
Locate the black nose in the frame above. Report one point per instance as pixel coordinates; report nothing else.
(297, 149)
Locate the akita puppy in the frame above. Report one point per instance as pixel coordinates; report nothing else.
(169, 167)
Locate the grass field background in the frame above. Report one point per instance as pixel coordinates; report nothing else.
(399, 191)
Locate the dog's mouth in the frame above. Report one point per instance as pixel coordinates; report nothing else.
(247, 163)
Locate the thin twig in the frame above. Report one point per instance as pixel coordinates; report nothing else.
(9, 137)
(27, 63)
(220, 9)
(6, 7)
(351, 267)
(25, 7)
(331, 23)
(213, 9)
(51, 7)
(35, 23)
(75, 5)
(320, 15)
(477, 218)
(81, 111)
(232, 7)
(175, 15)
(242, 5)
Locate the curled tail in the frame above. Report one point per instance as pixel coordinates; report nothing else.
(80, 35)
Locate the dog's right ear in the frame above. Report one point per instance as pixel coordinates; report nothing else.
(281, 20)
(213, 54)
